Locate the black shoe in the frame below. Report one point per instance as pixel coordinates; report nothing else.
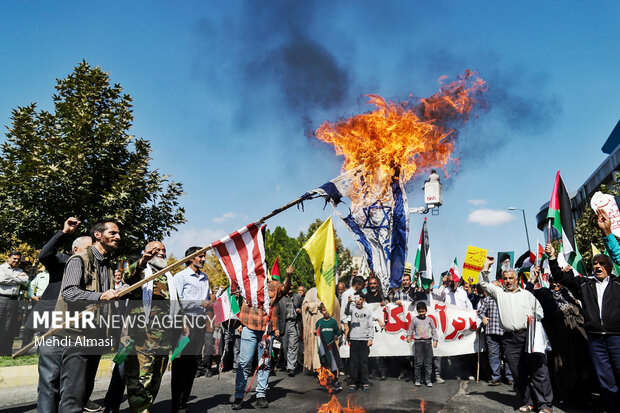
(383, 378)
(237, 404)
(109, 410)
(511, 382)
(494, 382)
(208, 373)
(262, 403)
(91, 406)
(234, 370)
(199, 373)
(291, 373)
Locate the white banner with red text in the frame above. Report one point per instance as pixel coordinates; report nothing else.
(456, 330)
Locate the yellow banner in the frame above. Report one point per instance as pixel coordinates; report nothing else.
(474, 261)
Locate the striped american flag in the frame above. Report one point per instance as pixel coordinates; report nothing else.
(242, 255)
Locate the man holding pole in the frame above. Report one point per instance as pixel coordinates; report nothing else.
(144, 369)
(88, 277)
(255, 339)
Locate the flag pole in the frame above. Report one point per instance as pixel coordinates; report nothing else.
(170, 267)
(295, 259)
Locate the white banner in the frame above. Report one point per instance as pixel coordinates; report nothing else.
(456, 330)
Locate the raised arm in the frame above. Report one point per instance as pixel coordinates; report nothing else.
(566, 278)
(490, 288)
(604, 223)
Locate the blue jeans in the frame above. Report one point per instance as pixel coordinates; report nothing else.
(496, 351)
(50, 363)
(250, 345)
(605, 352)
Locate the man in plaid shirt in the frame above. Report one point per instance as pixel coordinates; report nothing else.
(256, 324)
(489, 314)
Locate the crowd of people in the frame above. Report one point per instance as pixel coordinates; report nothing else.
(578, 314)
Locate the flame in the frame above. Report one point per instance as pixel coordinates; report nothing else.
(405, 138)
(422, 405)
(334, 406)
(326, 378)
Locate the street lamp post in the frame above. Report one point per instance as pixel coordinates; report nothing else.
(525, 224)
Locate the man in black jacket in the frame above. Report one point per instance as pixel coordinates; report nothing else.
(289, 329)
(50, 357)
(600, 298)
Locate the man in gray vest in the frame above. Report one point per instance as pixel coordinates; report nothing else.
(88, 278)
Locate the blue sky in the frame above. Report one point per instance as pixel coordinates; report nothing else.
(225, 91)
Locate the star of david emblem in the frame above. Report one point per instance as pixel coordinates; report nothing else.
(370, 212)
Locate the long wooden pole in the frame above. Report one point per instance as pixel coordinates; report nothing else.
(170, 267)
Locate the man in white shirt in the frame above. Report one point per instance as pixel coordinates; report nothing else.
(529, 370)
(192, 286)
(456, 296)
(11, 279)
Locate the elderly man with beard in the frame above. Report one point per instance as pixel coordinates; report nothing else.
(529, 370)
(156, 300)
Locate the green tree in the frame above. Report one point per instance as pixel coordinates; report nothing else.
(345, 258)
(80, 160)
(279, 244)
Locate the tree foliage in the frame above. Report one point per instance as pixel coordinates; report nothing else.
(279, 244)
(80, 160)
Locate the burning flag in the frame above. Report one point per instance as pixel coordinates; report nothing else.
(383, 150)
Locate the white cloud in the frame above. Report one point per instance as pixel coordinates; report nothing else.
(477, 202)
(490, 217)
(179, 241)
(224, 217)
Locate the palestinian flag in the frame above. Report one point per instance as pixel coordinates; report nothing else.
(423, 264)
(275, 271)
(225, 307)
(453, 272)
(543, 260)
(562, 227)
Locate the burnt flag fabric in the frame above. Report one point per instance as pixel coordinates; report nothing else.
(561, 225)
(379, 222)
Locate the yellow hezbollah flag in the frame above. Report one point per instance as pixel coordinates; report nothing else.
(321, 249)
(595, 250)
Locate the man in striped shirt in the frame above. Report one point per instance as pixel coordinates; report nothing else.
(105, 235)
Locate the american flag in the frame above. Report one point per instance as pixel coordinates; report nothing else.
(242, 255)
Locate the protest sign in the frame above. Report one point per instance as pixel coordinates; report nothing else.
(609, 205)
(456, 330)
(474, 260)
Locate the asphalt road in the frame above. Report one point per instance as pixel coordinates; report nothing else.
(303, 393)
